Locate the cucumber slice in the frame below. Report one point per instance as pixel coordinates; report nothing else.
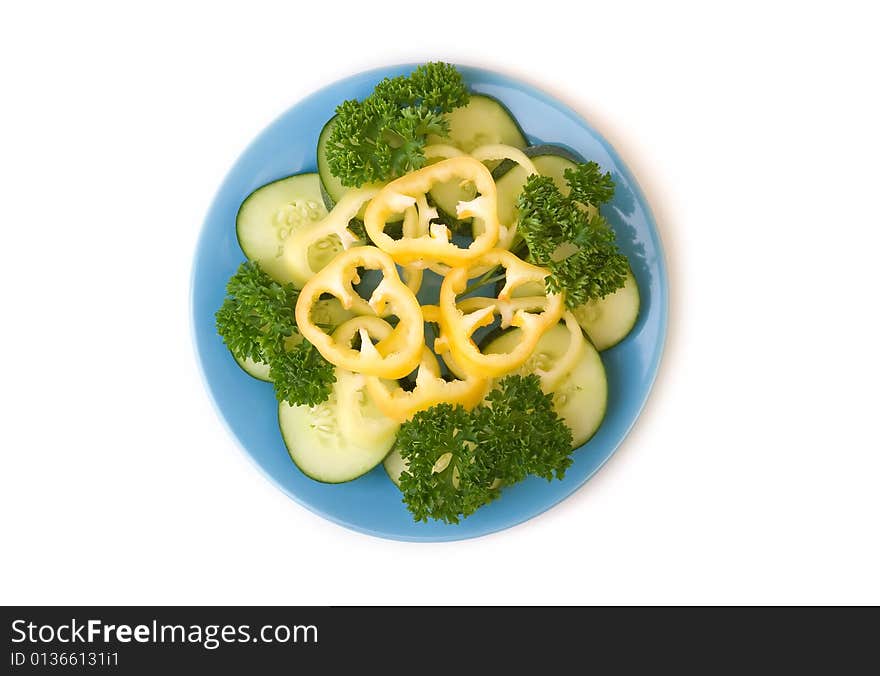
(255, 369)
(607, 321)
(581, 397)
(550, 161)
(554, 166)
(270, 213)
(394, 465)
(483, 120)
(331, 187)
(315, 440)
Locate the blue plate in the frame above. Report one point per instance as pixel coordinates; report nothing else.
(372, 504)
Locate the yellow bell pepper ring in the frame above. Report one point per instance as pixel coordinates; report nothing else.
(496, 151)
(431, 313)
(413, 274)
(390, 297)
(434, 244)
(367, 327)
(458, 321)
(431, 389)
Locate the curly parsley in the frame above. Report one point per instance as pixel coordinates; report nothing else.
(382, 137)
(568, 236)
(457, 459)
(257, 320)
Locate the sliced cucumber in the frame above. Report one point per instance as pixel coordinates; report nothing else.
(607, 321)
(483, 120)
(582, 395)
(331, 187)
(317, 444)
(554, 166)
(394, 465)
(550, 161)
(255, 369)
(269, 214)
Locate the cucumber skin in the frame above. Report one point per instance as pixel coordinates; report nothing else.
(326, 198)
(324, 168)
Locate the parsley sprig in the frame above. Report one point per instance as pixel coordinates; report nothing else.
(257, 320)
(382, 137)
(568, 235)
(457, 459)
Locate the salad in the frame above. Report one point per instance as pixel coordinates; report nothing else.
(435, 298)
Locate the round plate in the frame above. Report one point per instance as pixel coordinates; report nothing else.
(372, 504)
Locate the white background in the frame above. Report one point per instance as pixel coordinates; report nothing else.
(752, 475)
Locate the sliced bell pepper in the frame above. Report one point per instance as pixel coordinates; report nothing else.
(414, 273)
(458, 321)
(390, 297)
(506, 231)
(431, 389)
(434, 245)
